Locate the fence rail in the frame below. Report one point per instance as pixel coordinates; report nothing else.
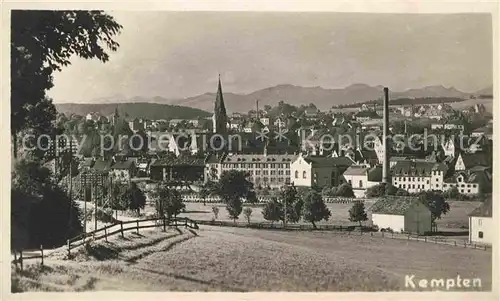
(123, 226)
(349, 230)
(19, 257)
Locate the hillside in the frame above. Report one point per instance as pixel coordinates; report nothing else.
(323, 98)
(144, 110)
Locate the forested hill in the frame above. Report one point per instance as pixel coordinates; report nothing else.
(151, 111)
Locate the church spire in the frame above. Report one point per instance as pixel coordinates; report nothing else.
(220, 115)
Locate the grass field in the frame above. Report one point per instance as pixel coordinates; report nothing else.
(232, 259)
(456, 218)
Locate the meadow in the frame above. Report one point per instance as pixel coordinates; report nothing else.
(236, 259)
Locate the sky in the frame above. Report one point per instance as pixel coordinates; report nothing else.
(180, 54)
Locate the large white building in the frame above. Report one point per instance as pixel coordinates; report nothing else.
(401, 214)
(265, 170)
(416, 176)
(481, 226)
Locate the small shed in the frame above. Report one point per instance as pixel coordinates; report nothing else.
(401, 214)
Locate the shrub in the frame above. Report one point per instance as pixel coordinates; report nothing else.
(215, 210)
(248, 213)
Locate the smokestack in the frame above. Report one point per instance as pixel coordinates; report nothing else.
(257, 104)
(386, 178)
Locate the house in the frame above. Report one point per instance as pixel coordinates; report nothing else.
(279, 123)
(318, 170)
(366, 115)
(136, 125)
(401, 214)
(481, 225)
(265, 120)
(362, 177)
(123, 170)
(483, 131)
(469, 160)
(264, 170)
(311, 112)
(182, 168)
(415, 176)
(472, 181)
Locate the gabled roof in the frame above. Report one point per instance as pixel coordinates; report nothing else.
(125, 164)
(102, 165)
(180, 161)
(393, 205)
(485, 210)
(411, 168)
(356, 170)
(474, 159)
(321, 161)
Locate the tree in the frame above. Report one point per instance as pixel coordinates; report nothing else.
(232, 187)
(41, 211)
(134, 198)
(315, 208)
(215, 210)
(116, 192)
(380, 190)
(168, 201)
(357, 213)
(290, 199)
(345, 190)
(247, 212)
(234, 208)
(206, 190)
(435, 202)
(42, 42)
(272, 211)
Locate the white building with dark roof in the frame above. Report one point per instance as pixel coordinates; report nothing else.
(362, 177)
(481, 224)
(318, 170)
(401, 214)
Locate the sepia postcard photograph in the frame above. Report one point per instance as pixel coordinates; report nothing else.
(206, 150)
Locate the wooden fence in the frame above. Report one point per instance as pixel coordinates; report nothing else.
(19, 257)
(349, 230)
(123, 226)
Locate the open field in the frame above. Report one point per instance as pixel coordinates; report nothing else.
(231, 259)
(453, 220)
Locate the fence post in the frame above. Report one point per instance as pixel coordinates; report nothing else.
(465, 244)
(137, 226)
(455, 242)
(382, 234)
(185, 223)
(371, 233)
(164, 224)
(408, 236)
(106, 234)
(69, 249)
(15, 258)
(425, 238)
(121, 227)
(21, 259)
(41, 249)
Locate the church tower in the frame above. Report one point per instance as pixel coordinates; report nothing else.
(220, 116)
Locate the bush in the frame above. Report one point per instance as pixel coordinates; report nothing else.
(345, 190)
(215, 210)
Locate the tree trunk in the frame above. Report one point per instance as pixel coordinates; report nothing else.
(314, 225)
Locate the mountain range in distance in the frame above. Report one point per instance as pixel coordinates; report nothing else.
(323, 98)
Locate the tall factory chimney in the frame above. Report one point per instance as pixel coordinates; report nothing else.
(386, 178)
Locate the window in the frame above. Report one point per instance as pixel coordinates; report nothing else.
(413, 186)
(437, 185)
(479, 222)
(304, 174)
(360, 183)
(427, 182)
(296, 174)
(480, 234)
(350, 183)
(404, 186)
(468, 185)
(404, 178)
(474, 185)
(463, 185)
